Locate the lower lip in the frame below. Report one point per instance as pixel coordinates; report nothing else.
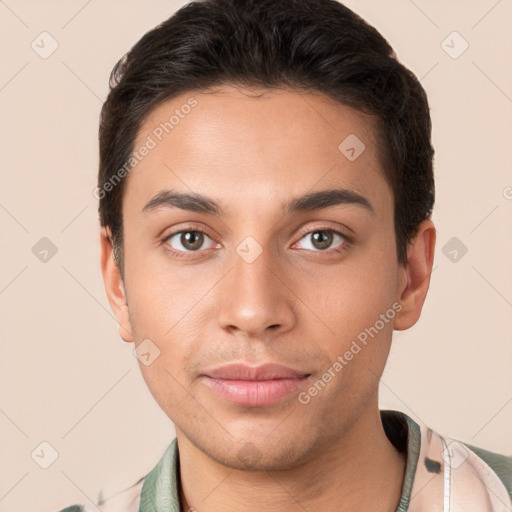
(255, 393)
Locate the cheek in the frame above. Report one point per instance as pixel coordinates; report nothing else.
(166, 385)
(157, 299)
(172, 345)
(350, 300)
(357, 306)
(163, 321)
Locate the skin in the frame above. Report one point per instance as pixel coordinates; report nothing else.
(252, 151)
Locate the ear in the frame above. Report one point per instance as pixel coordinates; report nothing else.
(416, 276)
(114, 285)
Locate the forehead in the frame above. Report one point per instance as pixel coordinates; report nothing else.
(248, 145)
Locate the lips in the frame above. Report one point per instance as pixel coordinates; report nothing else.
(267, 371)
(254, 386)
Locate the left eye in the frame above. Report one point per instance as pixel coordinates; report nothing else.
(192, 240)
(322, 239)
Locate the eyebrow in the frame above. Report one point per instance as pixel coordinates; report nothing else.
(308, 202)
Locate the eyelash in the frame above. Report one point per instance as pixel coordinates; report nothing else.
(347, 241)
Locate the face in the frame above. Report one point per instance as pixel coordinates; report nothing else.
(246, 272)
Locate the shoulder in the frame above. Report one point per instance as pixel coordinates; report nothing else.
(125, 500)
(500, 464)
(128, 499)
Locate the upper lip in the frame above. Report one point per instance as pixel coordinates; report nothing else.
(265, 371)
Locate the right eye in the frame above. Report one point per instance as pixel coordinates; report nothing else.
(191, 240)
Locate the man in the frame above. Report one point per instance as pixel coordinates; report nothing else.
(266, 191)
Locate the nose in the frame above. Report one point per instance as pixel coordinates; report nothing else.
(255, 298)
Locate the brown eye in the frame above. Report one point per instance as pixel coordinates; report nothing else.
(190, 240)
(322, 239)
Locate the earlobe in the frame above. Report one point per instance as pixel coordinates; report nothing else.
(114, 285)
(417, 271)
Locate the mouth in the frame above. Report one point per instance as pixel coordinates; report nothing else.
(254, 386)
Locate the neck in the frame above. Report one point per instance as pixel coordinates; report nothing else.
(354, 473)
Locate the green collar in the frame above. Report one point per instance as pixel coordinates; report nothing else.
(160, 489)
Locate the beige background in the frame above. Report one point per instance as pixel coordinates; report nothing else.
(66, 376)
